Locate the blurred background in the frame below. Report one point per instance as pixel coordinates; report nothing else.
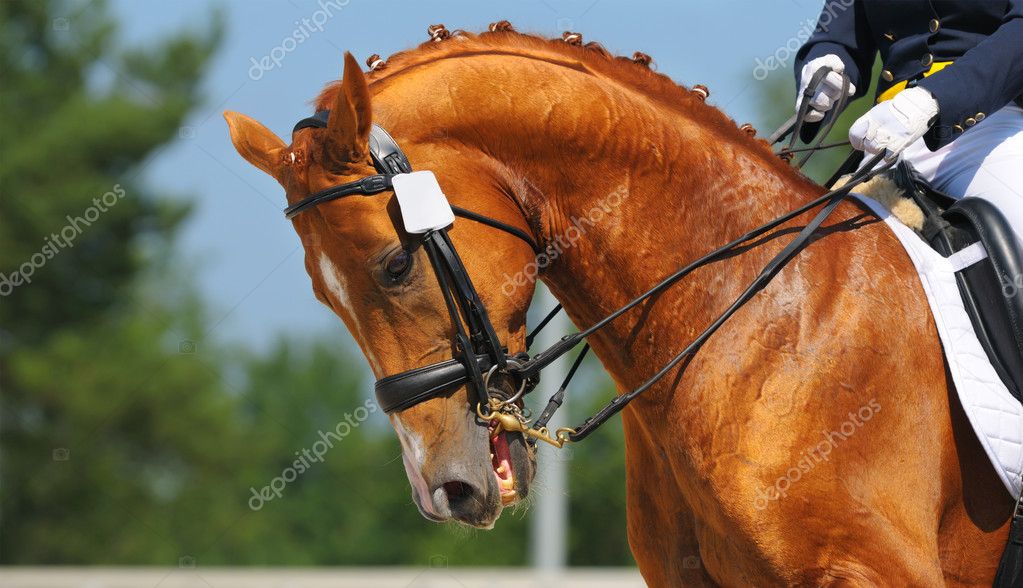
(162, 358)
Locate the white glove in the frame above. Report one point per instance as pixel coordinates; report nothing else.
(828, 92)
(894, 124)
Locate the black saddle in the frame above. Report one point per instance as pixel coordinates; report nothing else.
(992, 289)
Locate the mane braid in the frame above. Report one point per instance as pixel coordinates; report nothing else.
(632, 72)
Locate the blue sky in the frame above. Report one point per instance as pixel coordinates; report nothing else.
(245, 257)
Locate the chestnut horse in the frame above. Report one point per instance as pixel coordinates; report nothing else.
(814, 440)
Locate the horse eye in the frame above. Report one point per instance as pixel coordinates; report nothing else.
(398, 264)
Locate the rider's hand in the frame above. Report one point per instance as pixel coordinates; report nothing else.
(894, 124)
(828, 92)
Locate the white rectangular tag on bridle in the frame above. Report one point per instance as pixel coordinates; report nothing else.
(424, 207)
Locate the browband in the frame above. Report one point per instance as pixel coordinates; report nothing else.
(366, 186)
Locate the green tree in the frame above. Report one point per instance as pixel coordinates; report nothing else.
(104, 422)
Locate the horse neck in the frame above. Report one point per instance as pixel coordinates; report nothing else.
(622, 229)
(624, 187)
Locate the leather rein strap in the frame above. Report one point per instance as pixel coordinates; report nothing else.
(830, 202)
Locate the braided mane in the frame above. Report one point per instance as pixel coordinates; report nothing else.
(635, 72)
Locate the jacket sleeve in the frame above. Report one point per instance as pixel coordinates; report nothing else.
(842, 30)
(983, 80)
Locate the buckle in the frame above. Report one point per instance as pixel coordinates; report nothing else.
(374, 184)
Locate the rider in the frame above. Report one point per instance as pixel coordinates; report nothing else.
(950, 95)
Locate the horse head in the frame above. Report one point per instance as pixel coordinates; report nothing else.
(378, 279)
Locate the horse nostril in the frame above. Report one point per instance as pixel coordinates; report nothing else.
(467, 502)
(459, 493)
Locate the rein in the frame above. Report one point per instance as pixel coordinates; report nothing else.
(479, 354)
(829, 201)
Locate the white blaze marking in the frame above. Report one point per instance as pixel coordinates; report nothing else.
(413, 456)
(335, 282)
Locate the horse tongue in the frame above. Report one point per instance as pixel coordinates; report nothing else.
(501, 461)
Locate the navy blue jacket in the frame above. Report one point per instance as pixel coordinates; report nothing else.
(984, 39)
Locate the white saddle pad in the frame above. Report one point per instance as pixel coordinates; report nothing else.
(996, 416)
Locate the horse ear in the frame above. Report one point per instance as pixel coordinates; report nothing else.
(351, 117)
(256, 143)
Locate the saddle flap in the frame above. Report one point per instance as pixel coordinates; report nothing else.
(992, 289)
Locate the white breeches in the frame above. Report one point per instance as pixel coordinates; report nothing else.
(986, 161)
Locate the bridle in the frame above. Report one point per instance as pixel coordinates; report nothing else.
(478, 353)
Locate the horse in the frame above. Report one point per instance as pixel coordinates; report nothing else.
(815, 439)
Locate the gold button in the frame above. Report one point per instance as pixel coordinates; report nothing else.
(927, 60)
(935, 25)
(887, 76)
(890, 36)
(970, 122)
(979, 116)
(958, 128)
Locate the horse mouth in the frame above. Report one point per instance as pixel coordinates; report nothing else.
(513, 465)
(504, 470)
